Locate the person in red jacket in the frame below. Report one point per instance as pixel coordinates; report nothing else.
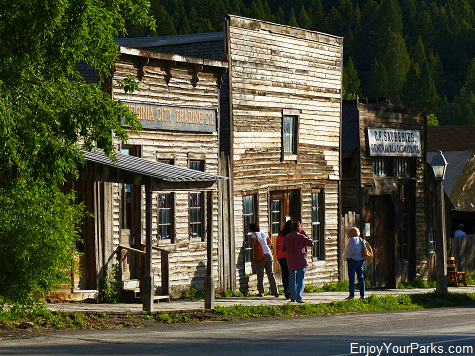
(282, 257)
(295, 245)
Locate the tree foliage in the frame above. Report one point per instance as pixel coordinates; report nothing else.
(446, 29)
(46, 108)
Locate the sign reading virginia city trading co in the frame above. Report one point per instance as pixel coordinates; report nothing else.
(394, 142)
(174, 118)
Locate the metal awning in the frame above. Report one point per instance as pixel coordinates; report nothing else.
(139, 171)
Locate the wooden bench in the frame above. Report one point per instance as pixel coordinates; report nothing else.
(453, 276)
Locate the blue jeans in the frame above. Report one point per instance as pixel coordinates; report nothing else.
(357, 267)
(296, 284)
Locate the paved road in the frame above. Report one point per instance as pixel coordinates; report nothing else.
(330, 335)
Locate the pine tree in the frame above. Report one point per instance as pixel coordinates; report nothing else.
(318, 14)
(304, 20)
(465, 101)
(351, 83)
(396, 61)
(292, 20)
(377, 81)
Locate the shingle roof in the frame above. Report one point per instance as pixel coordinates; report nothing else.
(200, 45)
(456, 163)
(151, 169)
(450, 138)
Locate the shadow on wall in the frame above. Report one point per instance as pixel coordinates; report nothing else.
(199, 275)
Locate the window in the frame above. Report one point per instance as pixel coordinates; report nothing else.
(276, 213)
(126, 198)
(406, 167)
(381, 166)
(166, 212)
(249, 216)
(196, 206)
(289, 134)
(166, 216)
(318, 233)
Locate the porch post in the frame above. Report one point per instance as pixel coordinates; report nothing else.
(148, 277)
(209, 281)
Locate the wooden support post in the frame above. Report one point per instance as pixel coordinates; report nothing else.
(165, 272)
(209, 281)
(148, 293)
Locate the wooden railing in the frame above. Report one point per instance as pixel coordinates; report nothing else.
(165, 265)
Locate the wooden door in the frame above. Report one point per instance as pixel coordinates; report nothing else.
(380, 270)
(284, 205)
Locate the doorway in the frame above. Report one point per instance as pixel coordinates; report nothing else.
(284, 205)
(130, 220)
(379, 213)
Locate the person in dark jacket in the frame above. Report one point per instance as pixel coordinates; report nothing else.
(295, 246)
(282, 257)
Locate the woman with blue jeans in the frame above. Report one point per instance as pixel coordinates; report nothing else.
(355, 262)
(295, 246)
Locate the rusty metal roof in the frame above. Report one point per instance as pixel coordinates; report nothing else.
(151, 169)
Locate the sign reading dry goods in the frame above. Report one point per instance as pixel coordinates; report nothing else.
(174, 118)
(394, 142)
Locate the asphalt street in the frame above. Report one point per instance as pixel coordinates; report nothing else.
(431, 331)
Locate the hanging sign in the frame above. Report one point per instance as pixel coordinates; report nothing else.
(174, 118)
(394, 142)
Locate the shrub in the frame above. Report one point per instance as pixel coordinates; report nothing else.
(110, 289)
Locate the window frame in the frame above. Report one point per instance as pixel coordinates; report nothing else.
(171, 222)
(410, 164)
(387, 166)
(293, 153)
(319, 248)
(202, 205)
(253, 217)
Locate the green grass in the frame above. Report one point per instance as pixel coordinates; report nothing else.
(417, 283)
(192, 294)
(370, 304)
(42, 317)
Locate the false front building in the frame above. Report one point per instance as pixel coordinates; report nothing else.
(383, 186)
(279, 137)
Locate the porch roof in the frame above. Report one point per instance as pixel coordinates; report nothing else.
(140, 171)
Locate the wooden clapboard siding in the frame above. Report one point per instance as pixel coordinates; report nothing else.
(275, 68)
(188, 257)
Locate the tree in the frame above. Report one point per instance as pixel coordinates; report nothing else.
(465, 101)
(396, 61)
(377, 80)
(351, 83)
(46, 108)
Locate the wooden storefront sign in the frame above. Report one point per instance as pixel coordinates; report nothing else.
(174, 118)
(394, 142)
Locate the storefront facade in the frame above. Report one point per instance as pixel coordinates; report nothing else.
(177, 104)
(383, 183)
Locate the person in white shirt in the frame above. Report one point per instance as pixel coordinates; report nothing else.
(355, 262)
(263, 260)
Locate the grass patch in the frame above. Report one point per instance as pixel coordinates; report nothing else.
(192, 294)
(233, 294)
(370, 304)
(417, 283)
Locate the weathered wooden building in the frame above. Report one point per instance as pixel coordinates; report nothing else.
(280, 137)
(383, 182)
(164, 184)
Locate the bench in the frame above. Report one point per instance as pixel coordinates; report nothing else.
(453, 276)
